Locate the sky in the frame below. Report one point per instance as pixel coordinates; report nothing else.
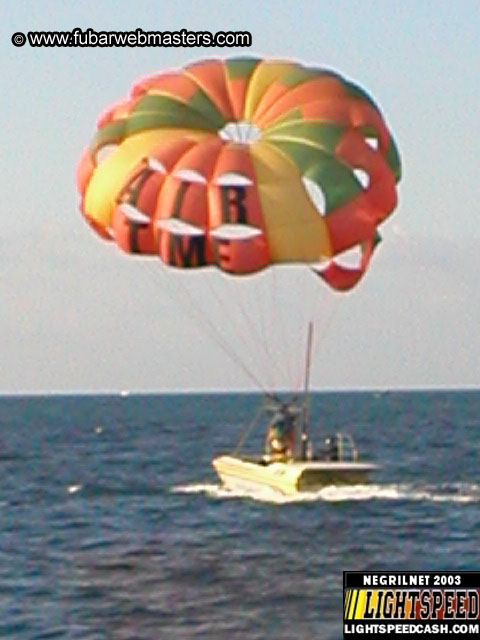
(77, 315)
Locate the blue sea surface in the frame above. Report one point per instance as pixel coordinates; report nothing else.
(113, 525)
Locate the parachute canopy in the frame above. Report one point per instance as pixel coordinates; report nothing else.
(242, 163)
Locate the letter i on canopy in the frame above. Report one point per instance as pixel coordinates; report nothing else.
(185, 246)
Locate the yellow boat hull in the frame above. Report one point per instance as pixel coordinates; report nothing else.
(289, 477)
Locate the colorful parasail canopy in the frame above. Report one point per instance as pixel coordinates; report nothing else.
(243, 163)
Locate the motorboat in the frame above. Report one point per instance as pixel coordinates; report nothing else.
(290, 464)
(291, 475)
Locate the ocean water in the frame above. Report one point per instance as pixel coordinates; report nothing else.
(113, 526)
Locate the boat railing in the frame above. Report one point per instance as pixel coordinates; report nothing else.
(346, 447)
(339, 446)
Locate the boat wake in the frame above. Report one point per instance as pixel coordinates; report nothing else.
(458, 492)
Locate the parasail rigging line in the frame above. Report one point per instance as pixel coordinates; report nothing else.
(248, 430)
(241, 321)
(179, 294)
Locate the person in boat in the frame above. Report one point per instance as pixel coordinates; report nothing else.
(332, 448)
(280, 440)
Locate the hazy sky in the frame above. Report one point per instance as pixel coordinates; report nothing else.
(79, 315)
